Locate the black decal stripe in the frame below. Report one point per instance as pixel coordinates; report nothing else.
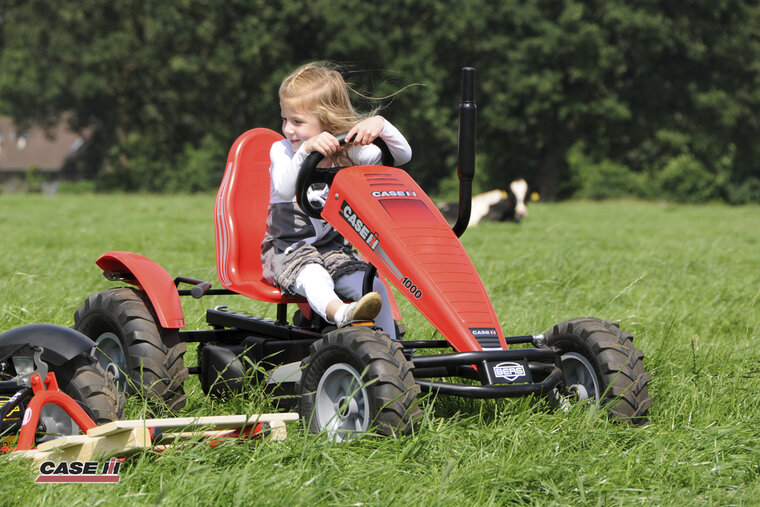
(489, 342)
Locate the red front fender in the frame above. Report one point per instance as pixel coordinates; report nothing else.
(153, 279)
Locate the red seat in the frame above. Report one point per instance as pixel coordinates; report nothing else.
(240, 217)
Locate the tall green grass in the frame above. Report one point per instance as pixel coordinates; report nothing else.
(684, 280)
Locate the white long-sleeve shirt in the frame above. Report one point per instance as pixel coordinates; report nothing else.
(287, 225)
(285, 166)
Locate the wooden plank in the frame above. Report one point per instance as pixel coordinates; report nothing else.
(217, 422)
(62, 442)
(87, 448)
(33, 454)
(121, 444)
(123, 438)
(169, 438)
(278, 430)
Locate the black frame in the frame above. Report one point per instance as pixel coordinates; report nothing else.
(234, 330)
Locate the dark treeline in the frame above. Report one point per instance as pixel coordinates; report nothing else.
(606, 98)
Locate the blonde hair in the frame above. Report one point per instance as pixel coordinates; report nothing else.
(319, 89)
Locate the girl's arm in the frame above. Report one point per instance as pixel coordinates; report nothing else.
(366, 131)
(285, 165)
(284, 169)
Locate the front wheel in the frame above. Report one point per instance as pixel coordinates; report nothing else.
(92, 387)
(601, 364)
(131, 344)
(356, 379)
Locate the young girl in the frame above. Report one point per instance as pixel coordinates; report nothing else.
(303, 255)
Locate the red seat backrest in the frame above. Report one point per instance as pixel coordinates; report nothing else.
(240, 216)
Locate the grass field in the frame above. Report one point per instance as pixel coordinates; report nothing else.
(684, 280)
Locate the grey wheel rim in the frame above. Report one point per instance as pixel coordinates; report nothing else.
(580, 377)
(110, 355)
(56, 422)
(341, 403)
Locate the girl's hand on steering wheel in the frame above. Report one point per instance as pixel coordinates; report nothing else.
(325, 143)
(366, 130)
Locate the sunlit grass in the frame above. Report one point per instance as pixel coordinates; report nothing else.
(684, 280)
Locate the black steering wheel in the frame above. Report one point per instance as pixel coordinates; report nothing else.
(311, 174)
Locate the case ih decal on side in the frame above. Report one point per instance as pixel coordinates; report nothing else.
(358, 224)
(369, 237)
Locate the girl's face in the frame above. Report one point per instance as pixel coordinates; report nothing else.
(298, 126)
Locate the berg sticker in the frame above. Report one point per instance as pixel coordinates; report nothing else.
(509, 371)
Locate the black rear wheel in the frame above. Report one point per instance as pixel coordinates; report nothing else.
(132, 345)
(356, 379)
(87, 382)
(602, 365)
(92, 387)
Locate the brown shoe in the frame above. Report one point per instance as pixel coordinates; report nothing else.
(366, 308)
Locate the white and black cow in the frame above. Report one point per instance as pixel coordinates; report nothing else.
(495, 205)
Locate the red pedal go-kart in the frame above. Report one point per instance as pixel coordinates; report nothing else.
(354, 378)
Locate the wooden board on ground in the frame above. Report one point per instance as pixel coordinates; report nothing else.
(124, 438)
(213, 422)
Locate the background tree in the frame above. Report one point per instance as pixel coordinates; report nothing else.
(583, 97)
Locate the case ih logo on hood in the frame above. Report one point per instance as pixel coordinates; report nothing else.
(358, 224)
(394, 193)
(483, 332)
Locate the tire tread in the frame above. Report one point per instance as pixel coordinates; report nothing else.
(389, 375)
(620, 364)
(157, 367)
